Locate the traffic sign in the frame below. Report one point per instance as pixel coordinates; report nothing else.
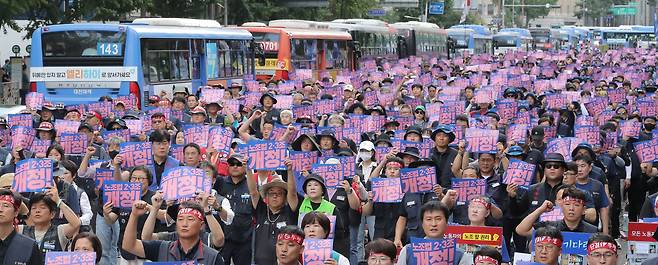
(623, 11)
(376, 12)
(436, 8)
(16, 49)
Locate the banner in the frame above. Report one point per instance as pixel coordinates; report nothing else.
(646, 150)
(33, 175)
(83, 74)
(467, 189)
(20, 120)
(431, 252)
(122, 194)
(588, 134)
(70, 258)
(481, 140)
(136, 154)
(74, 143)
(331, 173)
(519, 172)
(302, 160)
(316, 251)
(630, 128)
(184, 182)
(266, 155)
(418, 180)
(386, 190)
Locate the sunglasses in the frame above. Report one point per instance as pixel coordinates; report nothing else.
(553, 166)
(420, 112)
(235, 164)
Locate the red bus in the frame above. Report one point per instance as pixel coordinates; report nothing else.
(292, 44)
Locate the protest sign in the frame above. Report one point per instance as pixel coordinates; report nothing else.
(517, 133)
(196, 133)
(646, 150)
(136, 154)
(563, 146)
(66, 126)
(331, 173)
(266, 155)
(219, 138)
(332, 224)
(386, 190)
(556, 101)
(575, 243)
(418, 180)
(554, 215)
(176, 151)
(102, 175)
(183, 182)
(630, 129)
(123, 134)
(40, 147)
(641, 244)
(432, 251)
(316, 251)
(19, 120)
(104, 108)
(585, 121)
(477, 235)
(212, 95)
(135, 127)
(74, 143)
(588, 134)
(34, 100)
(33, 175)
(70, 258)
(481, 140)
(467, 189)
(519, 172)
(122, 194)
(302, 160)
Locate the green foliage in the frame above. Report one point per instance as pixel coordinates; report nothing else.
(513, 15)
(596, 8)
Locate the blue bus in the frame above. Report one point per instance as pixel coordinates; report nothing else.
(504, 41)
(468, 40)
(628, 36)
(79, 63)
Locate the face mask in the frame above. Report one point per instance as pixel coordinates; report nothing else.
(365, 155)
(113, 154)
(649, 126)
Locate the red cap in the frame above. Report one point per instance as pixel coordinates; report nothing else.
(95, 114)
(154, 99)
(198, 110)
(45, 126)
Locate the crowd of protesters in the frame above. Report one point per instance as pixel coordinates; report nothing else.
(262, 217)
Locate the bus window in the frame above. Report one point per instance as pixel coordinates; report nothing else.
(335, 54)
(270, 42)
(166, 60)
(83, 48)
(303, 53)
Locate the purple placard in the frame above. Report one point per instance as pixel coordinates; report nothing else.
(122, 194)
(183, 182)
(303, 160)
(70, 258)
(519, 172)
(22, 136)
(74, 143)
(646, 150)
(33, 175)
(517, 133)
(34, 100)
(432, 251)
(316, 251)
(386, 190)
(104, 108)
(418, 180)
(135, 127)
(123, 134)
(66, 126)
(481, 140)
(331, 173)
(563, 146)
(630, 129)
(219, 138)
(24, 120)
(136, 154)
(196, 133)
(102, 175)
(212, 95)
(40, 147)
(467, 189)
(589, 134)
(552, 216)
(176, 151)
(266, 155)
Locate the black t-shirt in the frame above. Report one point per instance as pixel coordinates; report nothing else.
(386, 216)
(583, 227)
(152, 249)
(267, 226)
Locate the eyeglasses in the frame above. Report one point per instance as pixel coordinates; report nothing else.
(553, 166)
(378, 260)
(420, 112)
(606, 255)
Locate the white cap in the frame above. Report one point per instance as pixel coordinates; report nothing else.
(368, 145)
(332, 161)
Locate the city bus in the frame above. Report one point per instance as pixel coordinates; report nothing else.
(504, 41)
(541, 39)
(422, 39)
(468, 41)
(374, 39)
(297, 44)
(79, 63)
(628, 36)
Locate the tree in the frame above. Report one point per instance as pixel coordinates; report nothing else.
(179, 8)
(13, 8)
(514, 16)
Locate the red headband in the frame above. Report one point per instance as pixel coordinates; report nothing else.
(548, 239)
(482, 201)
(9, 199)
(482, 258)
(568, 198)
(394, 163)
(191, 211)
(598, 245)
(290, 237)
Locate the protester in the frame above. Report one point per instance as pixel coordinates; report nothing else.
(316, 225)
(289, 245)
(87, 242)
(15, 247)
(548, 245)
(601, 249)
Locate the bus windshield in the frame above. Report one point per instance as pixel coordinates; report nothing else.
(74, 48)
(461, 40)
(303, 53)
(505, 41)
(270, 42)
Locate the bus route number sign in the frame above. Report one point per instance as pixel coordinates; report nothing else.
(108, 49)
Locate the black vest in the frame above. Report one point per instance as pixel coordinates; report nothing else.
(205, 255)
(50, 241)
(20, 250)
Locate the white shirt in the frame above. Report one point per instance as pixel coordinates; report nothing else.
(85, 207)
